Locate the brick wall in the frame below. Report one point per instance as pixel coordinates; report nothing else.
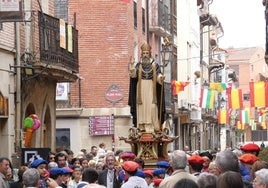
(106, 42)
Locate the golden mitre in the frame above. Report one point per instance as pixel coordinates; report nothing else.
(146, 47)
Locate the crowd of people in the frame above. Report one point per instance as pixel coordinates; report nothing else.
(239, 168)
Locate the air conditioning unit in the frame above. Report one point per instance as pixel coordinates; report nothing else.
(184, 103)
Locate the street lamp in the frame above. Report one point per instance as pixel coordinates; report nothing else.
(27, 69)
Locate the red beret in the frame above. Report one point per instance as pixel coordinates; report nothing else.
(130, 166)
(248, 158)
(196, 159)
(148, 172)
(127, 155)
(157, 181)
(251, 147)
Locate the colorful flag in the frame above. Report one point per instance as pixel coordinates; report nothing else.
(258, 94)
(222, 117)
(240, 126)
(253, 125)
(178, 86)
(207, 98)
(235, 98)
(245, 116)
(218, 86)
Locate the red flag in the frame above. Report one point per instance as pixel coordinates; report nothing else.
(178, 86)
(258, 94)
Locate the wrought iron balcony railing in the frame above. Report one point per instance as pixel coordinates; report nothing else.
(49, 39)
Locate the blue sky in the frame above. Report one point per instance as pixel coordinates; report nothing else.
(243, 22)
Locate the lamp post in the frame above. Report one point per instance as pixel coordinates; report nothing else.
(166, 57)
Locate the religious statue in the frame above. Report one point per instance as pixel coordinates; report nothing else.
(146, 93)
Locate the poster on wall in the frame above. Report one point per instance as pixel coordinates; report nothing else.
(62, 90)
(30, 154)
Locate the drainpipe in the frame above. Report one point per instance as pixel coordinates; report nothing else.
(18, 91)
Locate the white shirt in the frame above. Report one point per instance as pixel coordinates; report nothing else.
(135, 182)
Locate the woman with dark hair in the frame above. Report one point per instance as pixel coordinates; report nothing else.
(19, 183)
(186, 183)
(51, 156)
(230, 179)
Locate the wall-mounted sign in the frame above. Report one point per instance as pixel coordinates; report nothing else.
(10, 11)
(101, 125)
(62, 90)
(114, 94)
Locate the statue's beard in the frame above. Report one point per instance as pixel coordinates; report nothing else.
(146, 60)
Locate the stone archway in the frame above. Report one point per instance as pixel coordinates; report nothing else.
(47, 129)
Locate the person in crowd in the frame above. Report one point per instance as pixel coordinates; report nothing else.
(100, 166)
(9, 176)
(52, 165)
(90, 178)
(101, 149)
(75, 161)
(5, 164)
(61, 159)
(146, 81)
(260, 164)
(127, 156)
(149, 177)
(40, 165)
(186, 183)
(230, 179)
(84, 151)
(94, 152)
(246, 162)
(207, 159)
(212, 168)
(67, 174)
(84, 163)
(19, 183)
(207, 180)
(178, 162)
(140, 163)
(251, 148)
(261, 179)
(76, 176)
(130, 168)
(70, 156)
(156, 182)
(31, 179)
(57, 175)
(226, 161)
(164, 165)
(51, 156)
(109, 177)
(195, 164)
(159, 173)
(92, 164)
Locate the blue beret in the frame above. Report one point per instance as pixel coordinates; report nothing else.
(55, 171)
(159, 171)
(65, 171)
(37, 162)
(163, 164)
(140, 173)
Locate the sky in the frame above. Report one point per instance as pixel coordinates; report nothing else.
(243, 22)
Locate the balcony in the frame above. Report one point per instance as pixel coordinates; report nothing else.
(159, 18)
(58, 62)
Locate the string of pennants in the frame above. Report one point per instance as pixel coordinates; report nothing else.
(258, 99)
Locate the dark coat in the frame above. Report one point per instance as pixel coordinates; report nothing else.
(102, 180)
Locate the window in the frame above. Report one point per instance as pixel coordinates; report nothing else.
(143, 20)
(135, 14)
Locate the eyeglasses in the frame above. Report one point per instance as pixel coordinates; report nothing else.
(51, 157)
